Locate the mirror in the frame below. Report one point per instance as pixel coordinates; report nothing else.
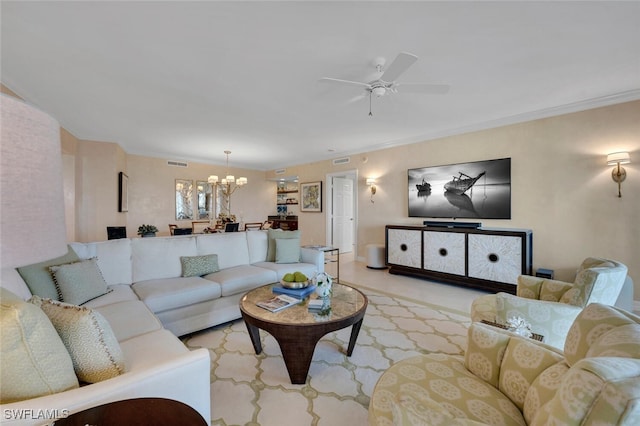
(184, 195)
(223, 201)
(204, 197)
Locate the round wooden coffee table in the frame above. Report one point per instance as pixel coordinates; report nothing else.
(297, 331)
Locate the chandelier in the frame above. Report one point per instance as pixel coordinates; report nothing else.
(227, 183)
(225, 187)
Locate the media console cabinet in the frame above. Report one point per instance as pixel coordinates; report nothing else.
(485, 258)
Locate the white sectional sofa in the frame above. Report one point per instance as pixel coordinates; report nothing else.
(149, 303)
(149, 269)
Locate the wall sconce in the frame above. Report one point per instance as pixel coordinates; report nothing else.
(618, 174)
(371, 182)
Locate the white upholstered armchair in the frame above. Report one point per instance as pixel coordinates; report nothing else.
(551, 306)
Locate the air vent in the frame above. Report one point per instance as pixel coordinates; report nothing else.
(280, 171)
(344, 160)
(177, 163)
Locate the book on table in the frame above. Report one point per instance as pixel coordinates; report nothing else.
(300, 293)
(278, 303)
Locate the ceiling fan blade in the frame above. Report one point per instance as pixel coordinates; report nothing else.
(399, 65)
(345, 82)
(435, 89)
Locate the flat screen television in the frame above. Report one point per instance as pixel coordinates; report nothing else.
(478, 190)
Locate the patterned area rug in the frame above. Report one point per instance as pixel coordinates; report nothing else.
(250, 389)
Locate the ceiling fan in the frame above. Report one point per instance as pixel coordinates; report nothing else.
(387, 83)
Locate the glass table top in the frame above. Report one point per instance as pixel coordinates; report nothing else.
(345, 301)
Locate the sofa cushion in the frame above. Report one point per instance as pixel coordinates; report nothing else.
(146, 351)
(79, 282)
(592, 323)
(114, 258)
(156, 258)
(485, 350)
(278, 234)
(523, 362)
(287, 250)
(39, 279)
(88, 337)
(543, 389)
(241, 278)
(231, 248)
(595, 391)
(258, 244)
(115, 294)
(34, 360)
(197, 266)
(129, 319)
(165, 294)
(439, 380)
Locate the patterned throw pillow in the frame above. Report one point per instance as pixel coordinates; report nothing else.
(34, 360)
(39, 279)
(79, 282)
(523, 362)
(88, 337)
(197, 266)
(287, 250)
(485, 350)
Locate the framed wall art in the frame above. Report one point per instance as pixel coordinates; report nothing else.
(479, 190)
(311, 197)
(123, 192)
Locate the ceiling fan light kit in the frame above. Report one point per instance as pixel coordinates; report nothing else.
(387, 82)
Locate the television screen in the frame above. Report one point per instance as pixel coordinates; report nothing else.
(478, 190)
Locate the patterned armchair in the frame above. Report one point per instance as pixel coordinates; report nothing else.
(506, 379)
(551, 306)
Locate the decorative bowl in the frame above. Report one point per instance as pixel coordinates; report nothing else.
(295, 284)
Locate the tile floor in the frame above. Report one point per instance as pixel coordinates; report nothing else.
(451, 296)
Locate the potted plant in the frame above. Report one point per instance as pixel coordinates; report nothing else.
(147, 231)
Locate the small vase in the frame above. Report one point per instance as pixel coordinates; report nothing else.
(149, 234)
(323, 285)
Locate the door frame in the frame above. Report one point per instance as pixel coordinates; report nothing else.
(328, 196)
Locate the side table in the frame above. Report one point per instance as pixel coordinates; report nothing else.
(136, 412)
(329, 250)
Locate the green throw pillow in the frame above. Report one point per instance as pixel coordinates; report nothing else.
(39, 279)
(274, 234)
(88, 337)
(79, 282)
(287, 250)
(197, 266)
(34, 360)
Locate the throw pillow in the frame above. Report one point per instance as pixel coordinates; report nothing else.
(197, 266)
(274, 234)
(88, 337)
(523, 362)
(38, 277)
(34, 360)
(79, 282)
(287, 250)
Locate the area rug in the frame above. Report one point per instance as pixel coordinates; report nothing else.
(250, 389)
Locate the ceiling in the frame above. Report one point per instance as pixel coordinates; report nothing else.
(188, 80)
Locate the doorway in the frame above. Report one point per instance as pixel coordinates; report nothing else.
(342, 210)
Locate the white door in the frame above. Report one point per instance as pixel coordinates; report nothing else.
(343, 220)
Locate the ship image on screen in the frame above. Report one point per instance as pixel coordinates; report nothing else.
(477, 190)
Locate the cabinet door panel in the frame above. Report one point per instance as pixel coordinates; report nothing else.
(405, 247)
(495, 257)
(444, 252)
